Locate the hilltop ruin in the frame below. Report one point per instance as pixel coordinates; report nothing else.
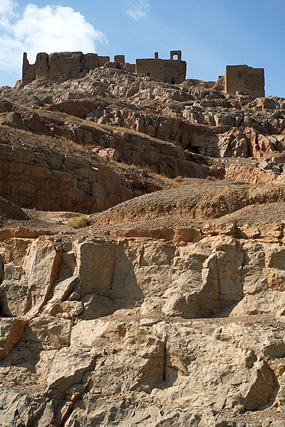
(244, 79)
(72, 65)
(167, 70)
(69, 65)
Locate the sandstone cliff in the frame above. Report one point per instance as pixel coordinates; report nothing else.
(168, 309)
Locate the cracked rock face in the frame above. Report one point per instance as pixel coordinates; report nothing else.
(168, 309)
(110, 331)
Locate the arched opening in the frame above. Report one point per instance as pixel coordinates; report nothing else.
(176, 55)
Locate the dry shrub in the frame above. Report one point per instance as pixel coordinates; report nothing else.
(78, 222)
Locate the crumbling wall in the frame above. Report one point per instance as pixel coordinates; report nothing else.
(244, 79)
(28, 70)
(177, 53)
(71, 65)
(61, 66)
(120, 59)
(90, 61)
(42, 65)
(67, 65)
(103, 60)
(131, 68)
(166, 70)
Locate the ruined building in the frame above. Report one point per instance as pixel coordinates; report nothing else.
(167, 70)
(61, 66)
(244, 79)
(69, 65)
(72, 65)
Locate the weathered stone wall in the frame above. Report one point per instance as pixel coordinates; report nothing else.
(42, 65)
(119, 58)
(61, 66)
(103, 60)
(65, 66)
(90, 61)
(244, 79)
(131, 68)
(166, 70)
(69, 65)
(28, 71)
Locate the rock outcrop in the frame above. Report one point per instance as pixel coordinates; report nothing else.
(167, 309)
(98, 320)
(170, 119)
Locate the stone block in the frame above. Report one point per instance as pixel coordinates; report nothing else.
(65, 65)
(244, 79)
(42, 65)
(90, 61)
(166, 70)
(103, 60)
(120, 59)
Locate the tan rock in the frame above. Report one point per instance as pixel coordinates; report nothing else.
(11, 331)
(51, 181)
(281, 394)
(169, 308)
(107, 153)
(42, 261)
(46, 332)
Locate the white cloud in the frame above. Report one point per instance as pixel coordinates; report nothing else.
(7, 7)
(7, 11)
(137, 9)
(47, 29)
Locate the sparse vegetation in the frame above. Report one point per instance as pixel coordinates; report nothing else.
(78, 222)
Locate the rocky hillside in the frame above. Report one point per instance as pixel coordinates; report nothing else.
(167, 307)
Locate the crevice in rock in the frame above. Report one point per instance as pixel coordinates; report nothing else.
(141, 255)
(164, 362)
(218, 281)
(113, 269)
(77, 396)
(1, 271)
(57, 264)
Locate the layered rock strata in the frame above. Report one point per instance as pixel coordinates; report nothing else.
(168, 308)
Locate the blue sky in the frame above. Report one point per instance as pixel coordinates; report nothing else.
(210, 33)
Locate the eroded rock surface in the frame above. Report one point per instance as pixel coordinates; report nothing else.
(170, 129)
(139, 331)
(167, 309)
